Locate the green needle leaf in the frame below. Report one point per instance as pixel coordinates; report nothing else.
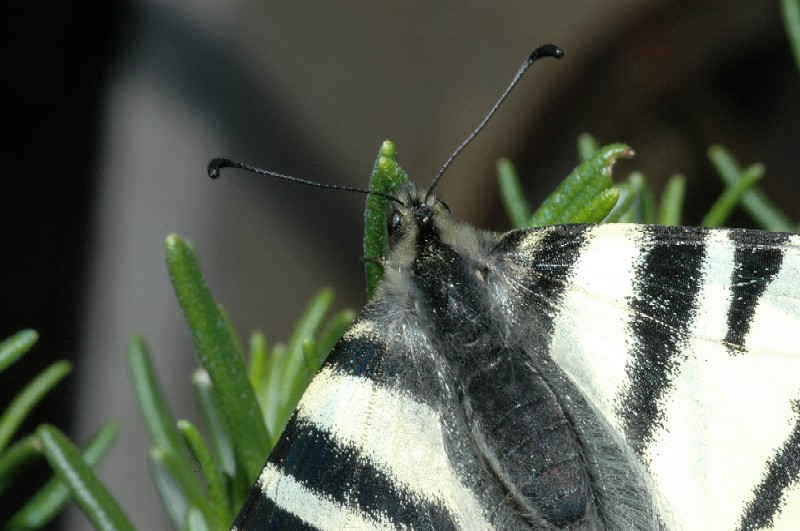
(643, 207)
(211, 472)
(587, 146)
(201, 384)
(178, 485)
(589, 179)
(762, 210)
(671, 207)
(157, 417)
(16, 459)
(218, 354)
(152, 404)
(195, 521)
(54, 495)
(308, 325)
(512, 195)
(294, 366)
(387, 177)
(598, 208)
(87, 491)
(726, 202)
(30, 395)
(272, 393)
(622, 208)
(257, 358)
(334, 331)
(791, 20)
(173, 496)
(15, 346)
(311, 359)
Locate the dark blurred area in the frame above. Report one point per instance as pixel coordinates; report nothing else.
(677, 79)
(54, 83)
(112, 111)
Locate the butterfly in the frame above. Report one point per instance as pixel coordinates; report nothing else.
(566, 377)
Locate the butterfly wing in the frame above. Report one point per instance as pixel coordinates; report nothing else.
(365, 447)
(682, 344)
(688, 342)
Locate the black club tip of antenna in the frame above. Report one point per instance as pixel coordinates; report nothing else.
(215, 165)
(546, 50)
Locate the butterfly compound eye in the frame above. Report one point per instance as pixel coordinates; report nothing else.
(394, 226)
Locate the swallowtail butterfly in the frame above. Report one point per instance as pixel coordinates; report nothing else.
(565, 377)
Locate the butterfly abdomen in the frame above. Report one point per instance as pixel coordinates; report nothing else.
(526, 439)
(525, 424)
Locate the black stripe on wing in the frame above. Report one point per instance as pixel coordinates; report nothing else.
(783, 470)
(549, 266)
(344, 474)
(555, 257)
(388, 361)
(667, 282)
(359, 356)
(757, 261)
(259, 512)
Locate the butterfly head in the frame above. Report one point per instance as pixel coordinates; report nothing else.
(433, 253)
(413, 212)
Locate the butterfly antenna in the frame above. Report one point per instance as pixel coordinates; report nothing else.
(217, 164)
(546, 50)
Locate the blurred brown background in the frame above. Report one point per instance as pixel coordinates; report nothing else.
(112, 111)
